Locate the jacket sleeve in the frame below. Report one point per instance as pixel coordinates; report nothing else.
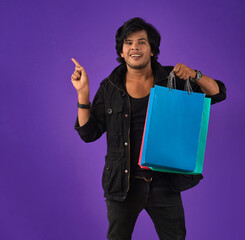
(221, 95)
(214, 98)
(95, 126)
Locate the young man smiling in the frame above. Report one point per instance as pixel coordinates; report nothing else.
(119, 109)
(136, 51)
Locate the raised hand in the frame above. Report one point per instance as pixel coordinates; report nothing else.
(79, 79)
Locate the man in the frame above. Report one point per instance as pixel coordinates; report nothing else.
(119, 108)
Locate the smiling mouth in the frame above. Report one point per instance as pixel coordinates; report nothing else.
(135, 55)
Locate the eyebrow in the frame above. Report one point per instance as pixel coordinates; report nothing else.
(137, 39)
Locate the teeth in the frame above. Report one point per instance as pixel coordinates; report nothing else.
(136, 55)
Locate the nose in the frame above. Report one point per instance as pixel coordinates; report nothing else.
(135, 46)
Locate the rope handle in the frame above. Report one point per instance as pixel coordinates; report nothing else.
(172, 83)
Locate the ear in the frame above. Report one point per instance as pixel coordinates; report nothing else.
(152, 54)
(121, 55)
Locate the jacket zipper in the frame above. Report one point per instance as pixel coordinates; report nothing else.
(129, 115)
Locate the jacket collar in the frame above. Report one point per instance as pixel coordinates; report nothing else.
(118, 74)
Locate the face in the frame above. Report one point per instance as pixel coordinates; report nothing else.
(137, 50)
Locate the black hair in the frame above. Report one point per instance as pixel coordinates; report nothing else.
(134, 25)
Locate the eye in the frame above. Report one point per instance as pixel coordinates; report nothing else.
(127, 42)
(142, 42)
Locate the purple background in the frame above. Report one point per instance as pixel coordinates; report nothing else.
(50, 181)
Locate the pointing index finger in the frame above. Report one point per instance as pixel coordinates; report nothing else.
(76, 62)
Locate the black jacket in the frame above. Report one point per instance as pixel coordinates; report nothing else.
(110, 112)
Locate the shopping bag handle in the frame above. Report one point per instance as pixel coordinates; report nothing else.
(172, 83)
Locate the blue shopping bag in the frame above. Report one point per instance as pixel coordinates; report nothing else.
(172, 129)
(201, 144)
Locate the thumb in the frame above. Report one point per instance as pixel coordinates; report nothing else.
(83, 71)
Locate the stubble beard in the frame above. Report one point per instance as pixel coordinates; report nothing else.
(138, 67)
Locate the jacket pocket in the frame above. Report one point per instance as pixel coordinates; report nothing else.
(114, 119)
(114, 126)
(112, 179)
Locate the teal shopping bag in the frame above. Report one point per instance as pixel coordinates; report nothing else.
(172, 129)
(201, 144)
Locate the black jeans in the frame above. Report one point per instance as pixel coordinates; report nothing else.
(163, 206)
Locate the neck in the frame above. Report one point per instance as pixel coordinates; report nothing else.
(139, 74)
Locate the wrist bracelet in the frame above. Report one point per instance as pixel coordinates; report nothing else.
(83, 106)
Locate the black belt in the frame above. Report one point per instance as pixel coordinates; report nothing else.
(147, 179)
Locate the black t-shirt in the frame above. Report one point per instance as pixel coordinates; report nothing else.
(137, 123)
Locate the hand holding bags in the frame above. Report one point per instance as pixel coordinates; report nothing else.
(175, 130)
